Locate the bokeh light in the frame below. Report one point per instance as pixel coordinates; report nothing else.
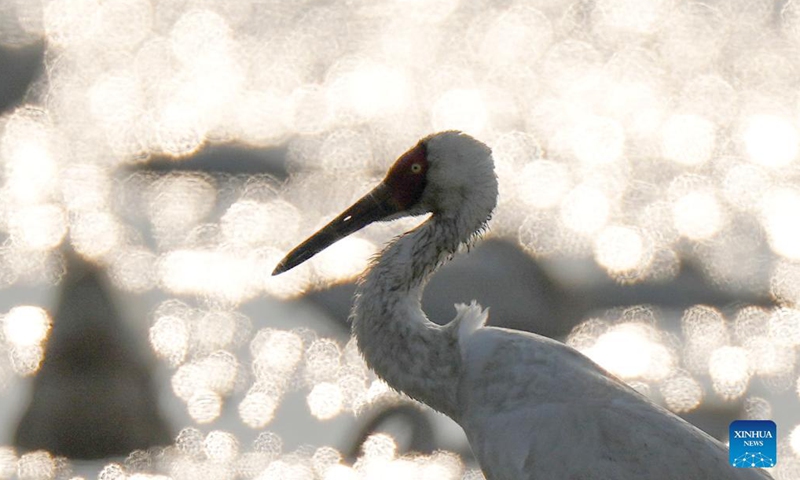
(26, 326)
(688, 139)
(112, 471)
(40, 227)
(653, 142)
(276, 353)
(221, 446)
(585, 209)
(632, 350)
(627, 343)
(542, 183)
(25, 329)
(460, 109)
(697, 215)
(784, 327)
(8, 462)
(597, 140)
(27, 148)
(730, 371)
(36, 465)
(345, 259)
(757, 408)
(770, 140)
(258, 407)
(204, 406)
(779, 208)
(619, 249)
(704, 330)
(682, 393)
(325, 400)
(169, 337)
(794, 439)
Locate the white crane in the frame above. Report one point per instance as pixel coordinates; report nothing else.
(532, 408)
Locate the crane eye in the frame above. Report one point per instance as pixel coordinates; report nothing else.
(416, 168)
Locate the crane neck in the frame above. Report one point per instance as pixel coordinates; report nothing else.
(398, 341)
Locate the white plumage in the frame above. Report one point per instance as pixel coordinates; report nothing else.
(532, 408)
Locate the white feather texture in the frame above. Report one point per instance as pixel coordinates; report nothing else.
(532, 408)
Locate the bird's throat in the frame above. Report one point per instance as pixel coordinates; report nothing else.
(408, 351)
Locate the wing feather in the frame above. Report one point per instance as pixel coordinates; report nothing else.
(534, 408)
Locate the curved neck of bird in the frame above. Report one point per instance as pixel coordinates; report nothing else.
(411, 353)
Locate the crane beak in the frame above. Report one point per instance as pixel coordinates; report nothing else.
(376, 205)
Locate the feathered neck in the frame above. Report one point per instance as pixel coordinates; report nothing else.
(412, 354)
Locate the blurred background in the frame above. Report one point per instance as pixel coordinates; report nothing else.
(160, 157)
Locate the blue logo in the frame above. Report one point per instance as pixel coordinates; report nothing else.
(753, 444)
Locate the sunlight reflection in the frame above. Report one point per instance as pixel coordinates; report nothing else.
(215, 274)
(86, 186)
(379, 446)
(688, 139)
(275, 353)
(730, 371)
(682, 393)
(794, 439)
(704, 330)
(322, 361)
(744, 185)
(169, 337)
(125, 23)
(221, 446)
(68, 23)
(179, 132)
(310, 109)
(117, 103)
(658, 138)
(366, 90)
(697, 215)
(619, 249)
(325, 400)
(770, 140)
(757, 408)
(112, 471)
(8, 462)
(785, 283)
(257, 409)
(630, 350)
(26, 147)
(518, 34)
(325, 459)
(204, 406)
(784, 327)
(132, 269)
(780, 209)
(542, 183)
(36, 465)
(597, 140)
(203, 383)
(95, 234)
(460, 109)
(345, 259)
(768, 359)
(629, 16)
(39, 227)
(261, 118)
(585, 209)
(177, 202)
(249, 223)
(25, 326)
(199, 36)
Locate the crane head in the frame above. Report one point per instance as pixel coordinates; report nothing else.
(437, 176)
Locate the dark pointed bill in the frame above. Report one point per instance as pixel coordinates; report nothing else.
(374, 206)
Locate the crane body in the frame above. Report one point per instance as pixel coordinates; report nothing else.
(531, 407)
